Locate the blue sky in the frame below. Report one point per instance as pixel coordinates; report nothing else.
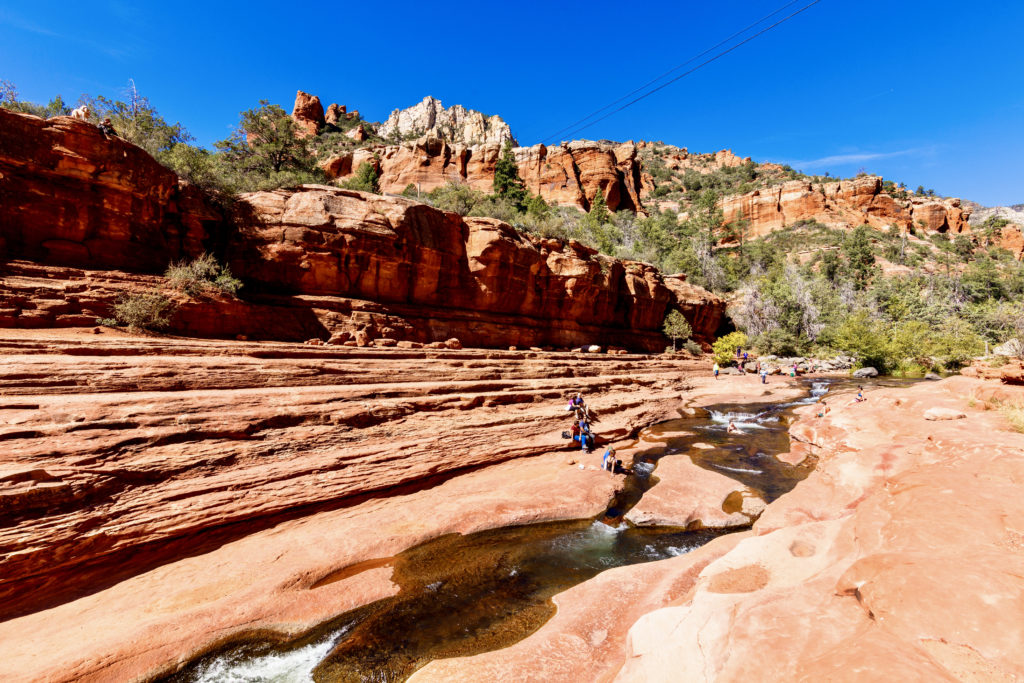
(929, 93)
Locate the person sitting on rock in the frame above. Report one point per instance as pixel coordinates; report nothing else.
(608, 461)
(824, 410)
(586, 437)
(107, 128)
(575, 431)
(732, 428)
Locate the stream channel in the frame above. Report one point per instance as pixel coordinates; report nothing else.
(464, 595)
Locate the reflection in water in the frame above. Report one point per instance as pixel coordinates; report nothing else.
(463, 595)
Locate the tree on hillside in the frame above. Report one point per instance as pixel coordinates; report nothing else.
(507, 183)
(266, 142)
(599, 208)
(738, 229)
(138, 121)
(706, 218)
(365, 179)
(860, 257)
(677, 328)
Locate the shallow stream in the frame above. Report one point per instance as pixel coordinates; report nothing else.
(464, 595)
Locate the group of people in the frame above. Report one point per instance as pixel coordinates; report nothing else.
(582, 432)
(106, 127)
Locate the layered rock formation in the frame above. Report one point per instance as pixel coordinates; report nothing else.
(388, 267)
(843, 204)
(473, 278)
(74, 197)
(454, 124)
(568, 175)
(151, 444)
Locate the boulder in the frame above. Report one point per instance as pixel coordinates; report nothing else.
(932, 377)
(339, 338)
(594, 348)
(939, 413)
(1012, 348)
(358, 133)
(453, 343)
(864, 373)
(362, 338)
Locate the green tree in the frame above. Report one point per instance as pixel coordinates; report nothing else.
(676, 327)
(365, 179)
(705, 217)
(266, 142)
(599, 212)
(507, 183)
(138, 122)
(860, 257)
(830, 265)
(725, 347)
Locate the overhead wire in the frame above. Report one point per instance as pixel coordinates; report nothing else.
(575, 131)
(571, 126)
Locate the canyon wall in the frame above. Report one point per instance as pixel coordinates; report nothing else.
(443, 275)
(842, 204)
(570, 174)
(318, 260)
(73, 197)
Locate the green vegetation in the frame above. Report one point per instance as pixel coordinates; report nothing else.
(366, 178)
(202, 275)
(507, 183)
(142, 311)
(725, 347)
(676, 328)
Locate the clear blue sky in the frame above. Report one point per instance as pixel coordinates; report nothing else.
(927, 92)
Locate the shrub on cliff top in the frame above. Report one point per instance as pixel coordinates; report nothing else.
(202, 275)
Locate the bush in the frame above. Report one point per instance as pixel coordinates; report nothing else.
(202, 275)
(365, 179)
(144, 311)
(725, 347)
(693, 348)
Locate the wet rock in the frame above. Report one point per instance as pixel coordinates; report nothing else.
(866, 373)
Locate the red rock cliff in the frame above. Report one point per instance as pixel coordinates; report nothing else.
(843, 204)
(341, 261)
(71, 196)
(568, 175)
(442, 275)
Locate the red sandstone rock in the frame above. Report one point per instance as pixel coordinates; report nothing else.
(334, 113)
(842, 204)
(70, 196)
(855, 550)
(308, 114)
(358, 133)
(487, 282)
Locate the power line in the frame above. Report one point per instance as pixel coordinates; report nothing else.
(702, 64)
(673, 69)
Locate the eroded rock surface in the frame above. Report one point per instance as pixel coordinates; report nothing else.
(849, 574)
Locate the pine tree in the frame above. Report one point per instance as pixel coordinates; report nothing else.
(599, 209)
(860, 256)
(676, 327)
(507, 183)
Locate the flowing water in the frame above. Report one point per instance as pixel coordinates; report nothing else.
(463, 595)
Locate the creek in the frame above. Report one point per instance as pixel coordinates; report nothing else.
(464, 595)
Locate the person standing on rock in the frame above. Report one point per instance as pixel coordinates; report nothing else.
(715, 369)
(764, 373)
